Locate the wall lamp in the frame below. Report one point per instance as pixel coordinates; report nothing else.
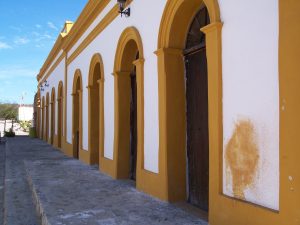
(122, 10)
(46, 83)
(42, 87)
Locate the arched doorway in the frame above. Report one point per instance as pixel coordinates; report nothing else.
(52, 127)
(77, 113)
(59, 113)
(129, 124)
(38, 114)
(190, 98)
(43, 119)
(197, 112)
(96, 105)
(47, 117)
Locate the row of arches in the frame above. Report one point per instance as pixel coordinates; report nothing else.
(46, 116)
(189, 77)
(128, 76)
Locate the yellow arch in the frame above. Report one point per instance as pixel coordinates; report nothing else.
(77, 77)
(59, 137)
(96, 156)
(38, 114)
(52, 126)
(94, 61)
(60, 89)
(129, 44)
(130, 33)
(176, 19)
(47, 117)
(77, 114)
(42, 136)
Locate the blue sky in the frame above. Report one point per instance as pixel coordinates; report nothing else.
(28, 30)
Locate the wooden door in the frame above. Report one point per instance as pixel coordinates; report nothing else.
(76, 142)
(59, 123)
(197, 113)
(133, 126)
(52, 121)
(76, 126)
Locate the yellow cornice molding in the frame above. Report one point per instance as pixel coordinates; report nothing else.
(56, 49)
(109, 17)
(53, 53)
(90, 12)
(58, 61)
(66, 41)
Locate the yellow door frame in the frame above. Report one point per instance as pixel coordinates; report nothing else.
(92, 87)
(77, 93)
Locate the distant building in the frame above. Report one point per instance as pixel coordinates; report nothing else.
(25, 112)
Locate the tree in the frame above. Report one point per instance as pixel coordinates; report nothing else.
(8, 112)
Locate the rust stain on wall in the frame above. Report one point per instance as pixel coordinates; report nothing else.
(242, 157)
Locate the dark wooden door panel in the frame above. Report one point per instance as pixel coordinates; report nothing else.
(133, 127)
(76, 143)
(197, 128)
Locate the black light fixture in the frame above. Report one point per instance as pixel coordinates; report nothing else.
(42, 87)
(46, 83)
(122, 11)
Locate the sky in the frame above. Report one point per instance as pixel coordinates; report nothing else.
(28, 31)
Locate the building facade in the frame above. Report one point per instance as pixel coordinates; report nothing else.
(25, 112)
(195, 100)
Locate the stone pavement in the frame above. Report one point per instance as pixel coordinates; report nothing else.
(19, 208)
(65, 191)
(2, 172)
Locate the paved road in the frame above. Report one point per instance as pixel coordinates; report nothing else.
(18, 206)
(2, 173)
(68, 192)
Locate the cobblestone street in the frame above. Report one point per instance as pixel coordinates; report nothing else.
(42, 186)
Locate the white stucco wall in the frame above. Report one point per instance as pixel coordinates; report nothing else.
(53, 80)
(251, 90)
(25, 113)
(250, 85)
(106, 44)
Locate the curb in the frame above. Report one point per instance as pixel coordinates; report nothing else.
(38, 205)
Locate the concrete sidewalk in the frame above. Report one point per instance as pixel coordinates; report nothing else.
(2, 176)
(68, 192)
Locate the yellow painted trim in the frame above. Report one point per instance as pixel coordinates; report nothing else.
(90, 12)
(47, 118)
(52, 68)
(77, 92)
(228, 211)
(84, 156)
(56, 49)
(66, 40)
(96, 155)
(95, 32)
(38, 119)
(166, 39)
(52, 126)
(124, 60)
(109, 17)
(67, 148)
(55, 141)
(175, 23)
(54, 52)
(66, 99)
(43, 119)
(60, 113)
